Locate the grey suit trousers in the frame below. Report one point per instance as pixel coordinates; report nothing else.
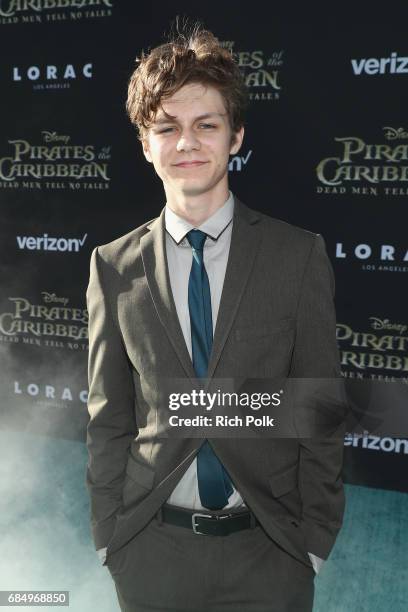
(166, 567)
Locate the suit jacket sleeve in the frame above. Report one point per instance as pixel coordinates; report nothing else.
(111, 399)
(316, 356)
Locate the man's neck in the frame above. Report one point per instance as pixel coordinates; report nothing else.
(197, 209)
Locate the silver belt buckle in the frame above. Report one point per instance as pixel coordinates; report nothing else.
(207, 516)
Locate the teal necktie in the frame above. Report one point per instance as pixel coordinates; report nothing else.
(214, 483)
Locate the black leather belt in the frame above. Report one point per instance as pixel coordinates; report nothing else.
(203, 523)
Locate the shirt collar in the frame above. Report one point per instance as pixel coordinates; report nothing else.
(178, 227)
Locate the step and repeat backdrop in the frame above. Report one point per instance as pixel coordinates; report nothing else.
(326, 148)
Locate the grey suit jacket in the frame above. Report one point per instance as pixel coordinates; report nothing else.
(276, 319)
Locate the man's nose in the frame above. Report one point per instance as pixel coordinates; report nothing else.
(188, 142)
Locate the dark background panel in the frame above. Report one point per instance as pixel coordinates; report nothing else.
(316, 98)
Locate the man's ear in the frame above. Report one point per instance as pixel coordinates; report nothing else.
(146, 150)
(237, 138)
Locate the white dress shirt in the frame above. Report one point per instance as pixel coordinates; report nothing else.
(180, 258)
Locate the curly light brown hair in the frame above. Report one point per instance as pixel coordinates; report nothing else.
(194, 56)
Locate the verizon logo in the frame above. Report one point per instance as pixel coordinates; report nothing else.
(238, 162)
(49, 243)
(383, 65)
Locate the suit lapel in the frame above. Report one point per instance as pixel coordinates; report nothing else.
(153, 250)
(245, 241)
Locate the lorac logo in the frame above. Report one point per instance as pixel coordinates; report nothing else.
(374, 257)
(50, 76)
(367, 169)
(47, 392)
(38, 11)
(261, 71)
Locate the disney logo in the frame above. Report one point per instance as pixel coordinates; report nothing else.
(51, 297)
(385, 324)
(54, 137)
(395, 134)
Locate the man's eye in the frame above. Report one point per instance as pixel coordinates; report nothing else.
(201, 125)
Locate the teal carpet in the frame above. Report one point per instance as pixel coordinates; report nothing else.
(46, 542)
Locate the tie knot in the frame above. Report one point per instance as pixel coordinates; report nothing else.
(196, 239)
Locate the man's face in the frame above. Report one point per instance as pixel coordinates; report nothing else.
(190, 152)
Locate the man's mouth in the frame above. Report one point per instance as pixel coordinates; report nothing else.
(191, 164)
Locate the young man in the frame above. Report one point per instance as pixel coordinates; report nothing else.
(210, 288)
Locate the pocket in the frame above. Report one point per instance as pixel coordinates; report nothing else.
(285, 482)
(139, 472)
(138, 482)
(113, 562)
(263, 330)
